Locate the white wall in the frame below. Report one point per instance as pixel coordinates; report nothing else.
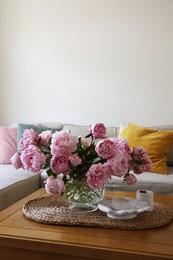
(86, 61)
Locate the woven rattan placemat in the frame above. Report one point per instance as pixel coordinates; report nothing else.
(54, 210)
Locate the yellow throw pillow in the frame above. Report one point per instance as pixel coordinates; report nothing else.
(156, 142)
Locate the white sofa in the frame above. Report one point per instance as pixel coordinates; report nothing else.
(16, 184)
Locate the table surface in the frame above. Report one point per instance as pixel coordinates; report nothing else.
(26, 238)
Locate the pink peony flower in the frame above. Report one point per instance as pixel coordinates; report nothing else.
(140, 161)
(45, 137)
(148, 165)
(54, 186)
(63, 143)
(138, 153)
(130, 179)
(98, 131)
(16, 161)
(59, 164)
(97, 175)
(123, 146)
(106, 148)
(138, 169)
(29, 138)
(32, 159)
(118, 166)
(75, 160)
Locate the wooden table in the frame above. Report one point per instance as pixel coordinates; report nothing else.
(25, 239)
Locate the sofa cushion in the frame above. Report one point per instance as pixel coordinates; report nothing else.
(170, 153)
(53, 125)
(161, 127)
(47, 124)
(81, 130)
(156, 142)
(8, 145)
(158, 183)
(16, 184)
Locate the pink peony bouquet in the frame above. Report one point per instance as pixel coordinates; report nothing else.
(66, 157)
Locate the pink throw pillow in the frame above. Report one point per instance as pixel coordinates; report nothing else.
(8, 143)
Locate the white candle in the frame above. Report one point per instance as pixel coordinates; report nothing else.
(146, 195)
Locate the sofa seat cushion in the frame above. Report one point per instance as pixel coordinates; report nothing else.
(158, 183)
(16, 184)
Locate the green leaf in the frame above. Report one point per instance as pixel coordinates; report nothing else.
(96, 160)
(49, 172)
(89, 135)
(44, 149)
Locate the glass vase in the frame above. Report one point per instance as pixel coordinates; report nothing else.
(81, 197)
